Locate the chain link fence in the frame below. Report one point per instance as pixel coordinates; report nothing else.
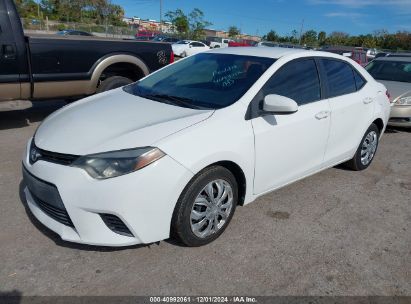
(51, 27)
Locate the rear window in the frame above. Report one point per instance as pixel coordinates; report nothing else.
(390, 70)
(340, 77)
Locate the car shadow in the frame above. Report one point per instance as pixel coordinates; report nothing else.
(59, 242)
(14, 119)
(11, 297)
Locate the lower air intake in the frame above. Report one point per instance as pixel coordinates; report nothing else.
(116, 224)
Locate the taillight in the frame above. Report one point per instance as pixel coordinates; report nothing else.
(172, 57)
(388, 95)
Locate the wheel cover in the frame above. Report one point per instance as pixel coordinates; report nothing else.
(211, 209)
(368, 147)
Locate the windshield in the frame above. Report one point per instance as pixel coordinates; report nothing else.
(390, 70)
(183, 42)
(203, 81)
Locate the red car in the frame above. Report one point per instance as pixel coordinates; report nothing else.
(146, 35)
(357, 54)
(242, 42)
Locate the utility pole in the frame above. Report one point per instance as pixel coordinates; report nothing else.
(161, 16)
(301, 31)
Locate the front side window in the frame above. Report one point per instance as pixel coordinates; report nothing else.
(340, 77)
(208, 81)
(297, 80)
(390, 70)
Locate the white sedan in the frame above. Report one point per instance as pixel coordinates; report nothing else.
(175, 153)
(186, 48)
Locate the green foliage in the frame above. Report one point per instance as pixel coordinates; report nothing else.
(189, 26)
(309, 38)
(321, 37)
(233, 31)
(272, 36)
(84, 11)
(380, 39)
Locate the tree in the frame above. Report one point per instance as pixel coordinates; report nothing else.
(309, 38)
(197, 24)
(338, 38)
(191, 25)
(179, 21)
(233, 31)
(271, 36)
(322, 36)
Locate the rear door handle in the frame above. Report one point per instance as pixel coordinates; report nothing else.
(367, 100)
(322, 115)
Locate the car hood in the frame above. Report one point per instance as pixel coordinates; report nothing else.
(113, 121)
(396, 88)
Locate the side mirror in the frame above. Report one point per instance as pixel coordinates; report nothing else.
(277, 104)
(190, 46)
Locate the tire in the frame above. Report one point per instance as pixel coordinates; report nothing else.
(194, 208)
(369, 144)
(113, 82)
(217, 47)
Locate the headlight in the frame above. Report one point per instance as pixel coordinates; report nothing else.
(404, 101)
(116, 163)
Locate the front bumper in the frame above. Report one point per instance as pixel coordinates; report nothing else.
(400, 116)
(144, 200)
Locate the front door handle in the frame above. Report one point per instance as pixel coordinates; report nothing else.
(322, 115)
(367, 100)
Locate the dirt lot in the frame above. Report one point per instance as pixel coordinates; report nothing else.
(336, 233)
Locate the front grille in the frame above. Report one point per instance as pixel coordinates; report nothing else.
(47, 198)
(57, 214)
(115, 224)
(54, 157)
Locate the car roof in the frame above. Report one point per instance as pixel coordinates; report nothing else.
(395, 58)
(272, 52)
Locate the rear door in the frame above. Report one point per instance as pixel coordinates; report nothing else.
(288, 147)
(351, 108)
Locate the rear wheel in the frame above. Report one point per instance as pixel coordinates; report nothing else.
(205, 207)
(366, 151)
(113, 82)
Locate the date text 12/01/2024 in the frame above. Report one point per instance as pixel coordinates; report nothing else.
(203, 299)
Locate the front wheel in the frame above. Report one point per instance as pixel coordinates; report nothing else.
(366, 151)
(113, 82)
(205, 207)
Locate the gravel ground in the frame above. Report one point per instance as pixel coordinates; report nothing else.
(336, 233)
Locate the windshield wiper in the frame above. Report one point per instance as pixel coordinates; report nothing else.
(176, 100)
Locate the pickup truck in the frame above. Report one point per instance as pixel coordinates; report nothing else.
(48, 66)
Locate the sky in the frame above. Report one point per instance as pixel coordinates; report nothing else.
(260, 16)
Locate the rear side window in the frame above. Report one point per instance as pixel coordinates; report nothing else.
(340, 77)
(359, 81)
(297, 80)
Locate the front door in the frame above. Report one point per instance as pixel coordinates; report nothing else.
(289, 147)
